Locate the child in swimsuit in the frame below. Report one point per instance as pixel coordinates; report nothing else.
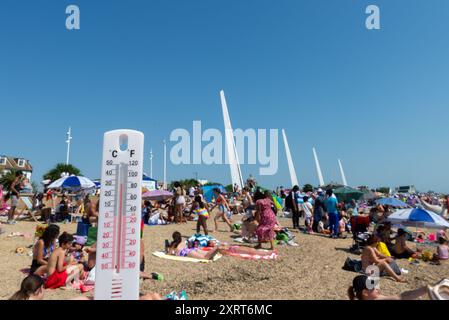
(199, 208)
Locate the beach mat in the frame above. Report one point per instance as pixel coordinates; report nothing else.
(163, 255)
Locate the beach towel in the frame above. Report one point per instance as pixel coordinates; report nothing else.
(163, 255)
(248, 256)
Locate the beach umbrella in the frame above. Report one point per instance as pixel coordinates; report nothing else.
(392, 202)
(347, 194)
(157, 195)
(418, 217)
(73, 183)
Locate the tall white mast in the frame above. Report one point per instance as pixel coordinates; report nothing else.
(234, 164)
(165, 166)
(343, 176)
(68, 141)
(291, 167)
(151, 163)
(318, 168)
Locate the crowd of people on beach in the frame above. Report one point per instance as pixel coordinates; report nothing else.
(64, 260)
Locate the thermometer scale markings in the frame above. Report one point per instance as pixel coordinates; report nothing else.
(119, 220)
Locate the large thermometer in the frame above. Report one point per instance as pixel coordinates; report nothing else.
(118, 241)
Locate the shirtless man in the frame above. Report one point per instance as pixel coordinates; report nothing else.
(371, 256)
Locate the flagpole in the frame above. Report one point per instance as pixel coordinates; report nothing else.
(151, 163)
(69, 138)
(165, 165)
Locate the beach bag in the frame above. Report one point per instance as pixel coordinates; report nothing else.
(352, 265)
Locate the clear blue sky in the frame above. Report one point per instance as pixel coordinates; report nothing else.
(379, 100)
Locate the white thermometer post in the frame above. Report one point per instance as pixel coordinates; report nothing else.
(118, 241)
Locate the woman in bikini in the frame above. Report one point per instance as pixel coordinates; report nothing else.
(223, 207)
(371, 256)
(178, 248)
(42, 250)
(61, 270)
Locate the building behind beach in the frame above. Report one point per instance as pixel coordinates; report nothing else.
(8, 164)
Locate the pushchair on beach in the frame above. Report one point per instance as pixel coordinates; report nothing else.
(360, 234)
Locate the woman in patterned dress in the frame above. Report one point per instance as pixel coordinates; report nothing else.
(267, 221)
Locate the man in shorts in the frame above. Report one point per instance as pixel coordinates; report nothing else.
(14, 191)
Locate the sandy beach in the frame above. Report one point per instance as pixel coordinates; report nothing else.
(313, 270)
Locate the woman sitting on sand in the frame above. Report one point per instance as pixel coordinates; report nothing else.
(178, 248)
(42, 250)
(371, 256)
(62, 271)
(400, 249)
(360, 291)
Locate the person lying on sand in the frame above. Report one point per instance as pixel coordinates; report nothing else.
(360, 291)
(62, 271)
(32, 288)
(178, 248)
(371, 256)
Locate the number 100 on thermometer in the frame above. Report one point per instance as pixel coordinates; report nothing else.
(118, 241)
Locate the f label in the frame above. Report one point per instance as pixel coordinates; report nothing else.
(72, 22)
(373, 20)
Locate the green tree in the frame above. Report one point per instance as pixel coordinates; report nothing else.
(384, 190)
(307, 188)
(213, 184)
(229, 188)
(7, 179)
(55, 173)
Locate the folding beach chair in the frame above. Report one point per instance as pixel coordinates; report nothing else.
(30, 210)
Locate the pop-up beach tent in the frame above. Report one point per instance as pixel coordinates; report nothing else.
(208, 191)
(149, 183)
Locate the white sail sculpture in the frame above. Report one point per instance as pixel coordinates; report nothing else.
(343, 176)
(291, 167)
(234, 164)
(318, 168)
